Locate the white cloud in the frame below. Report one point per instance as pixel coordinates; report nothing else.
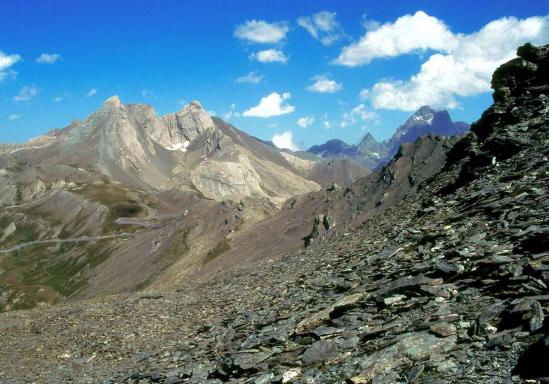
(48, 58)
(269, 56)
(357, 114)
(26, 93)
(92, 92)
(6, 61)
(252, 77)
(323, 26)
(409, 33)
(326, 123)
(306, 121)
(323, 84)
(260, 31)
(14, 117)
(272, 105)
(285, 140)
(58, 99)
(147, 94)
(231, 113)
(463, 68)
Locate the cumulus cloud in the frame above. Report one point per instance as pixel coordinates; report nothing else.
(357, 114)
(269, 56)
(462, 68)
(260, 31)
(252, 77)
(48, 58)
(92, 92)
(322, 26)
(27, 93)
(306, 121)
(274, 104)
(285, 140)
(323, 84)
(407, 34)
(6, 61)
(14, 117)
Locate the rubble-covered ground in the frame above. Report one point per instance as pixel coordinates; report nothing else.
(449, 286)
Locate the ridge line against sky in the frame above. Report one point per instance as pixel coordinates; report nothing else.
(295, 74)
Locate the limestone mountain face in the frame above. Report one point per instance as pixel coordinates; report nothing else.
(374, 154)
(106, 204)
(130, 144)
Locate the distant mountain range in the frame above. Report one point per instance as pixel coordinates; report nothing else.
(373, 154)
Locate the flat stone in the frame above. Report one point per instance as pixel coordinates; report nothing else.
(443, 329)
(319, 318)
(320, 351)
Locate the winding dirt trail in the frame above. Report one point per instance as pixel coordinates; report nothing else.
(75, 240)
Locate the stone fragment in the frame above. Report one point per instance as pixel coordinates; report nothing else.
(319, 318)
(291, 375)
(443, 329)
(320, 352)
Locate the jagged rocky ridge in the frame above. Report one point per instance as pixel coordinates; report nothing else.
(374, 154)
(448, 286)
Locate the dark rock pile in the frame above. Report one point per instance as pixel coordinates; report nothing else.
(450, 286)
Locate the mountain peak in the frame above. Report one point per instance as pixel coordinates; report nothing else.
(195, 103)
(368, 137)
(424, 110)
(193, 106)
(423, 115)
(113, 100)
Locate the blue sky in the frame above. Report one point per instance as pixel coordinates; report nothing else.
(343, 69)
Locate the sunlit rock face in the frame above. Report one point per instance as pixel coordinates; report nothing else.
(130, 144)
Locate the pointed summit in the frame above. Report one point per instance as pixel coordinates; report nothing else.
(195, 103)
(424, 110)
(113, 103)
(192, 106)
(191, 119)
(424, 115)
(113, 100)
